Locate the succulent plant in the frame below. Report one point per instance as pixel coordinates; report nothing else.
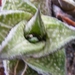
(26, 34)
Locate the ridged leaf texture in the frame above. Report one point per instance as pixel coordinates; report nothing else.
(44, 56)
(8, 19)
(51, 64)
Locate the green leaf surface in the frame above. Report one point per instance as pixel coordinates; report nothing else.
(24, 5)
(35, 26)
(53, 64)
(8, 19)
(15, 44)
(59, 34)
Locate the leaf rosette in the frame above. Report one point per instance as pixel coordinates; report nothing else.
(33, 37)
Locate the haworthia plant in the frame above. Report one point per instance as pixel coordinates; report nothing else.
(21, 46)
(56, 32)
(8, 19)
(35, 27)
(51, 64)
(36, 39)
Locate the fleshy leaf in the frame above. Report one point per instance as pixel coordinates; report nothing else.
(15, 44)
(59, 34)
(8, 19)
(24, 5)
(53, 64)
(35, 27)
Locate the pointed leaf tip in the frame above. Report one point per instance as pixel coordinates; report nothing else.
(35, 27)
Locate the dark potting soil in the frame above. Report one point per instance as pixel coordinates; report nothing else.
(70, 58)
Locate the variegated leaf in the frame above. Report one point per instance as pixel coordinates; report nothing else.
(8, 19)
(16, 46)
(35, 27)
(53, 64)
(59, 34)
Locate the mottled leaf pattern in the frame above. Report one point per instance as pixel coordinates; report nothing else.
(24, 5)
(58, 35)
(8, 19)
(15, 45)
(35, 26)
(51, 64)
(19, 45)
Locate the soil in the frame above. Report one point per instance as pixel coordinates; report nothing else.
(1, 68)
(70, 58)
